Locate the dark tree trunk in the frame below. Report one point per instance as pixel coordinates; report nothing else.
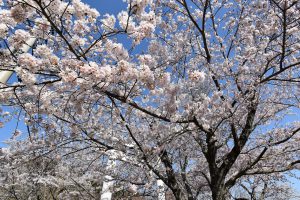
(217, 186)
(219, 194)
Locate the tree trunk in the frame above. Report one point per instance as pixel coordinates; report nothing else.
(217, 186)
(219, 193)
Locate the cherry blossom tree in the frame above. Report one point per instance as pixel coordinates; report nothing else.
(30, 172)
(196, 93)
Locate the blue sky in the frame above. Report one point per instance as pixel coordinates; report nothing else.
(107, 6)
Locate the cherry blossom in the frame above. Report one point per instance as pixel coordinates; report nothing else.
(200, 95)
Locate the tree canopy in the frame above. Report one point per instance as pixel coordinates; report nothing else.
(196, 93)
